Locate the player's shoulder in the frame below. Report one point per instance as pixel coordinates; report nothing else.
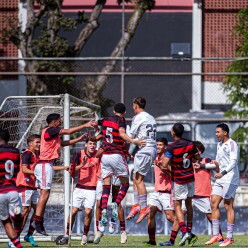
(9, 148)
(232, 144)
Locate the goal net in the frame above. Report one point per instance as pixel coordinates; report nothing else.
(23, 116)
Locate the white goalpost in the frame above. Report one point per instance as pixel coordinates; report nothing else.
(26, 115)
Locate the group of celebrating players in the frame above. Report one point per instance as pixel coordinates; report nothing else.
(182, 178)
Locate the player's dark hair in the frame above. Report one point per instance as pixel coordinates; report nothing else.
(32, 138)
(87, 139)
(52, 117)
(224, 127)
(199, 146)
(120, 108)
(163, 140)
(140, 101)
(4, 135)
(178, 129)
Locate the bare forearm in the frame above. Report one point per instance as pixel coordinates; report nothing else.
(127, 138)
(70, 142)
(25, 170)
(60, 167)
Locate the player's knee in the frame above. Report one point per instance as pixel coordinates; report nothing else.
(169, 217)
(88, 212)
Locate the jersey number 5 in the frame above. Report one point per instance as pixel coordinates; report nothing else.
(109, 135)
(9, 168)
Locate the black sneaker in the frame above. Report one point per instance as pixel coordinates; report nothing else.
(166, 243)
(39, 227)
(150, 243)
(192, 239)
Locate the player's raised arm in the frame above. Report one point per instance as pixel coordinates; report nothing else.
(124, 136)
(73, 141)
(77, 128)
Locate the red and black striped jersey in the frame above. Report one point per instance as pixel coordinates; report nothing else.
(181, 152)
(9, 167)
(112, 142)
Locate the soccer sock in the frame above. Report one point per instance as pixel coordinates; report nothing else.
(97, 223)
(30, 229)
(67, 229)
(173, 236)
(122, 193)
(189, 227)
(220, 232)
(16, 242)
(38, 218)
(123, 225)
(216, 227)
(135, 197)
(143, 201)
(18, 232)
(114, 197)
(229, 230)
(105, 196)
(86, 229)
(182, 227)
(151, 233)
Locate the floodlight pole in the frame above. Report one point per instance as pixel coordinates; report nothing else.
(122, 56)
(66, 158)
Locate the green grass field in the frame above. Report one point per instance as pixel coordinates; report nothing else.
(137, 241)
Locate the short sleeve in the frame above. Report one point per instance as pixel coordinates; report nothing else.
(169, 152)
(78, 158)
(51, 133)
(27, 158)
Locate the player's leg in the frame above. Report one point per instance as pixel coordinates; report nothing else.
(114, 191)
(152, 225)
(87, 221)
(99, 227)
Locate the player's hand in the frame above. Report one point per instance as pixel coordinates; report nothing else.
(196, 165)
(82, 137)
(67, 168)
(218, 175)
(141, 143)
(215, 162)
(131, 157)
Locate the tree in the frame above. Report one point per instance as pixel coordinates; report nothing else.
(48, 42)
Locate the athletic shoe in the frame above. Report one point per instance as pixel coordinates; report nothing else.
(134, 210)
(150, 243)
(212, 240)
(101, 227)
(221, 238)
(62, 240)
(97, 238)
(123, 237)
(143, 213)
(39, 227)
(111, 227)
(192, 239)
(166, 243)
(84, 240)
(227, 242)
(104, 217)
(114, 210)
(184, 238)
(30, 239)
(11, 245)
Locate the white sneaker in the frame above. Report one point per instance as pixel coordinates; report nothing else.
(11, 245)
(123, 237)
(114, 208)
(104, 217)
(84, 240)
(97, 238)
(101, 227)
(111, 227)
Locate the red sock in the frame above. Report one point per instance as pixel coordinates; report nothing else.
(122, 193)
(189, 227)
(151, 233)
(97, 223)
(182, 227)
(173, 236)
(67, 229)
(105, 196)
(123, 225)
(86, 229)
(16, 242)
(30, 229)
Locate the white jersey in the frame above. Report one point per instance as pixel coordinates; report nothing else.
(144, 127)
(227, 157)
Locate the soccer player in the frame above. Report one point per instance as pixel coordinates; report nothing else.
(161, 199)
(49, 152)
(179, 154)
(10, 206)
(25, 183)
(143, 127)
(84, 194)
(227, 181)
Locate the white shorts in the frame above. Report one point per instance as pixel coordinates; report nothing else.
(226, 191)
(163, 201)
(115, 181)
(29, 197)
(114, 164)
(143, 160)
(84, 198)
(10, 205)
(182, 192)
(44, 173)
(203, 204)
(99, 190)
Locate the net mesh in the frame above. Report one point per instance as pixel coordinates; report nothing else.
(23, 116)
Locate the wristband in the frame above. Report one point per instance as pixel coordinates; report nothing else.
(224, 172)
(202, 166)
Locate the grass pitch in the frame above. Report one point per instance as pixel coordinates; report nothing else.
(138, 241)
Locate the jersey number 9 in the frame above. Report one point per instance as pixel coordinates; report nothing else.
(9, 168)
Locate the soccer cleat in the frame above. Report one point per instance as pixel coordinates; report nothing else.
(39, 227)
(227, 242)
(134, 210)
(150, 243)
(104, 217)
(30, 239)
(123, 237)
(166, 243)
(10, 245)
(221, 238)
(184, 238)
(84, 240)
(97, 238)
(143, 213)
(192, 239)
(111, 227)
(114, 210)
(212, 240)
(101, 227)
